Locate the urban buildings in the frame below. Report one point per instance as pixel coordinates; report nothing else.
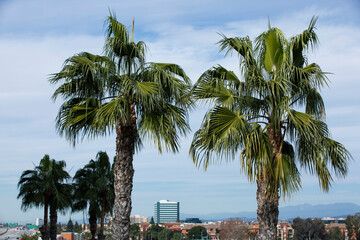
(138, 219)
(166, 211)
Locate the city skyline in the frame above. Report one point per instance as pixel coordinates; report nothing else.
(36, 37)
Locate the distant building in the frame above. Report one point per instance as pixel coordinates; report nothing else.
(192, 220)
(39, 222)
(285, 231)
(328, 220)
(138, 219)
(166, 211)
(69, 236)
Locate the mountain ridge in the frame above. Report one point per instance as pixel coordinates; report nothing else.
(287, 212)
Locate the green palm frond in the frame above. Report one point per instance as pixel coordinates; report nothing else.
(46, 184)
(222, 134)
(92, 183)
(271, 47)
(163, 125)
(304, 41)
(277, 139)
(82, 75)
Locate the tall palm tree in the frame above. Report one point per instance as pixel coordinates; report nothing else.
(272, 120)
(122, 93)
(94, 184)
(46, 186)
(60, 197)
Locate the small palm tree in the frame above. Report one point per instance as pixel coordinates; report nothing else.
(122, 93)
(272, 121)
(94, 185)
(33, 193)
(46, 186)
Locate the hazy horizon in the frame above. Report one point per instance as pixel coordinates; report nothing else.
(36, 37)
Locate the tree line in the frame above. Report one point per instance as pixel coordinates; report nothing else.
(271, 117)
(306, 229)
(50, 186)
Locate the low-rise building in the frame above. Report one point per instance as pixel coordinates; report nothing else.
(285, 231)
(138, 219)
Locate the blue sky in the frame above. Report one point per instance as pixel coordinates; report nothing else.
(37, 36)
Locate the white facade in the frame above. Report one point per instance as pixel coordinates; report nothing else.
(39, 222)
(138, 219)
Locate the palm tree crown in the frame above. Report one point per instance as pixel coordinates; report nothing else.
(94, 184)
(102, 91)
(122, 93)
(46, 186)
(273, 119)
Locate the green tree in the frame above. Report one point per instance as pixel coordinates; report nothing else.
(353, 225)
(28, 237)
(134, 231)
(70, 226)
(176, 236)
(61, 195)
(152, 220)
(152, 233)
(35, 194)
(46, 186)
(94, 186)
(334, 234)
(272, 120)
(308, 228)
(122, 93)
(165, 234)
(197, 232)
(86, 235)
(59, 228)
(77, 227)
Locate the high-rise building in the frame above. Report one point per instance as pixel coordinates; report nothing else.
(166, 211)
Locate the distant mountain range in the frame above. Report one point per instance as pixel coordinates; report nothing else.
(289, 212)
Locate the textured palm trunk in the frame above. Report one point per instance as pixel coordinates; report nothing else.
(44, 229)
(267, 213)
(53, 221)
(123, 173)
(101, 235)
(92, 220)
(268, 203)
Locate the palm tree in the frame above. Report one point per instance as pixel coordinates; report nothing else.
(60, 197)
(122, 93)
(46, 186)
(273, 120)
(34, 194)
(94, 184)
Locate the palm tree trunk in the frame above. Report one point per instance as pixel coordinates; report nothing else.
(44, 229)
(268, 203)
(102, 219)
(267, 213)
(92, 220)
(123, 177)
(53, 221)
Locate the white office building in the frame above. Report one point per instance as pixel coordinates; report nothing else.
(39, 222)
(166, 211)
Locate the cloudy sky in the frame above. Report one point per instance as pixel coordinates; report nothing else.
(37, 36)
